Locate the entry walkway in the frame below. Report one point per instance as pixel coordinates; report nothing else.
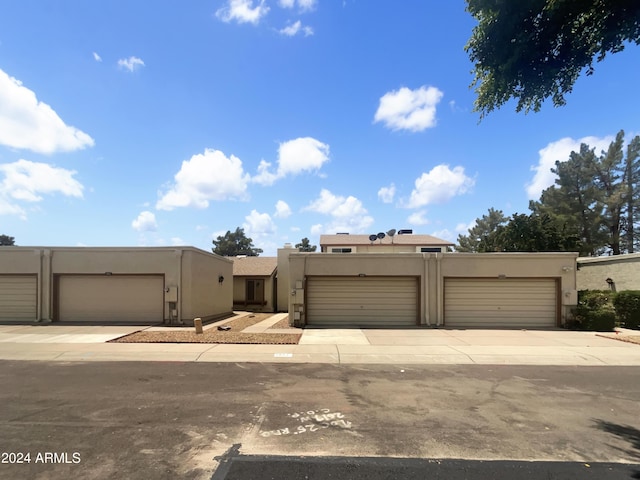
(331, 346)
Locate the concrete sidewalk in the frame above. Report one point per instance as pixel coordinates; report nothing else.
(343, 346)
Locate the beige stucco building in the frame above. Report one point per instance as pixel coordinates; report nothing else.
(170, 285)
(617, 273)
(254, 283)
(517, 290)
(404, 241)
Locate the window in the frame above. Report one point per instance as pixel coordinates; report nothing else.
(341, 250)
(430, 249)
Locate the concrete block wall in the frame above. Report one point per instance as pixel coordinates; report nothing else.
(623, 270)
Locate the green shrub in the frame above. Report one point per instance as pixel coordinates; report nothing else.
(595, 311)
(594, 299)
(627, 305)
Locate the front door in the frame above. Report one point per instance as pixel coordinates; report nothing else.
(255, 291)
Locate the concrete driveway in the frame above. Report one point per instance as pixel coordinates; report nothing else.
(331, 346)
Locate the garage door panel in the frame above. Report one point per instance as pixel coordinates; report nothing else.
(111, 298)
(523, 303)
(18, 297)
(361, 301)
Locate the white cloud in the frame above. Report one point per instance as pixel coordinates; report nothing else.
(146, 222)
(259, 224)
(440, 185)
(386, 194)
(205, 177)
(305, 154)
(465, 227)
(26, 181)
(405, 109)
(243, 11)
(295, 229)
(97, 57)
(177, 241)
(445, 235)
(303, 5)
(264, 176)
(131, 63)
(559, 150)
(282, 209)
(295, 28)
(347, 213)
(418, 218)
(27, 123)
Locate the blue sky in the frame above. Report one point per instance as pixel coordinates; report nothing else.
(127, 123)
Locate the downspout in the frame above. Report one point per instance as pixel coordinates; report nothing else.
(425, 287)
(180, 320)
(40, 289)
(439, 318)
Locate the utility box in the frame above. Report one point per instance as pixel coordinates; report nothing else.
(171, 294)
(570, 297)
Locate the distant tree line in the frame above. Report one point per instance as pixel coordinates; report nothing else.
(236, 243)
(593, 208)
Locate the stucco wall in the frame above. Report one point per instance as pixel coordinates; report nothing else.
(432, 268)
(283, 292)
(624, 270)
(204, 295)
(193, 272)
(376, 248)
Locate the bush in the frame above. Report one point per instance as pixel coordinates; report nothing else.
(627, 306)
(595, 299)
(595, 311)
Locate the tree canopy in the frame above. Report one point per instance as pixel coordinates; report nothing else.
(531, 50)
(7, 241)
(480, 235)
(593, 208)
(305, 246)
(235, 243)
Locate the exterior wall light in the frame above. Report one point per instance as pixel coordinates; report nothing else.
(220, 279)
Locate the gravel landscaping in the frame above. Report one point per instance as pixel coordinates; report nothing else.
(211, 334)
(624, 336)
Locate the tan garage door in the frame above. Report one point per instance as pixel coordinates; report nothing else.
(111, 298)
(510, 302)
(362, 301)
(18, 297)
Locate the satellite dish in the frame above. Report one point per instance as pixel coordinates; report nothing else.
(373, 238)
(391, 232)
(381, 235)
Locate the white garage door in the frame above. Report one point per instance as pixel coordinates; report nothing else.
(510, 302)
(18, 297)
(111, 298)
(362, 301)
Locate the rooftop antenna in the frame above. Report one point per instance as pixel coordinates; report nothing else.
(372, 238)
(380, 236)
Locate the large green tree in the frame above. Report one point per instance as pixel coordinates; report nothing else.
(597, 197)
(479, 236)
(235, 243)
(305, 246)
(573, 201)
(531, 50)
(632, 195)
(7, 241)
(533, 233)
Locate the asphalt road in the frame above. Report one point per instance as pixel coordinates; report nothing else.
(180, 420)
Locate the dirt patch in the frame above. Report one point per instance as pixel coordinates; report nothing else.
(213, 335)
(623, 337)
